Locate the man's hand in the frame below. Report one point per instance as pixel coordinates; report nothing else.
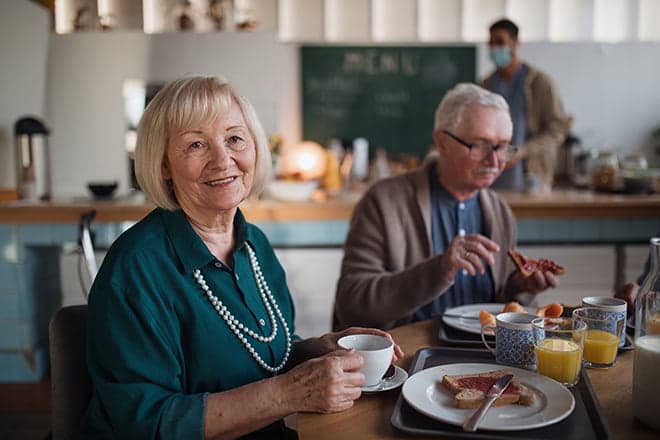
(535, 283)
(469, 252)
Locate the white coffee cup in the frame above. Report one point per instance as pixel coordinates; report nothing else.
(376, 351)
(612, 308)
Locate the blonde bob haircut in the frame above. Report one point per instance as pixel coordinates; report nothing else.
(184, 103)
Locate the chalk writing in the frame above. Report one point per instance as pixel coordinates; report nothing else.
(387, 94)
(377, 62)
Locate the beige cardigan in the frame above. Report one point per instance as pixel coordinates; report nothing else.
(388, 270)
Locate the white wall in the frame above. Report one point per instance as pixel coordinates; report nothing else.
(312, 275)
(23, 52)
(84, 106)
(87, 70)
(610, 89)
(260, 67)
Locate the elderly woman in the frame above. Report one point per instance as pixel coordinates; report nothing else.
(191, 325)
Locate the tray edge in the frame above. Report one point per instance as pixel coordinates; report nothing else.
(596, 417)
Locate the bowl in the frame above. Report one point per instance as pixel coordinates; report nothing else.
(102, 190)
(640, 181)
(291, 190)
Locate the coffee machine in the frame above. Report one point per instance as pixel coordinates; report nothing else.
(32, 159)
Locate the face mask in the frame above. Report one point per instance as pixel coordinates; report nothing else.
(501, 55)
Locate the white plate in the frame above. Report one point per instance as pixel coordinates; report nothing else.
(396, 380)
(472, 310)
(425, 393)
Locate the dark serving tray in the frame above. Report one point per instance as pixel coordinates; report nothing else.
(455, 336)
(585, 422)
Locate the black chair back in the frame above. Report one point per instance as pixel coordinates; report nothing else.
(71, 387)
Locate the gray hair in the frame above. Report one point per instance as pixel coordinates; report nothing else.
(449, 113)
(184, 103)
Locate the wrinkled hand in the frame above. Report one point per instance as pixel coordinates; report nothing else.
(535, 283)
(628, 293)
(330, 339)
(469, 253)
(326, 384)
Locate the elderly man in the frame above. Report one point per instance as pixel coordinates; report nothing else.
(437, 237)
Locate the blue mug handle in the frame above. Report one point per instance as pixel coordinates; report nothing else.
(483, 337)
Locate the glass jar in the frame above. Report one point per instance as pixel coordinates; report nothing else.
(646, 382)
(634, 162)
(605, 171)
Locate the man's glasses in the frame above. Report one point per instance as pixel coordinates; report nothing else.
(480, 150)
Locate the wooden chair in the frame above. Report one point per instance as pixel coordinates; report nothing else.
(70, 383)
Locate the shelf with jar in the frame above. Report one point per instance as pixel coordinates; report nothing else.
(158, 16)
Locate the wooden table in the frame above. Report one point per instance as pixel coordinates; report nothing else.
(370, 417)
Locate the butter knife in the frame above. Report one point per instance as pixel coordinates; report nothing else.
(449, 315)
(491, 396)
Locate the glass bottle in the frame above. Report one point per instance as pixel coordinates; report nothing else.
(646, 381)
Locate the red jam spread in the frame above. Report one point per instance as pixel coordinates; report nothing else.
(530, 266)
(483, 384)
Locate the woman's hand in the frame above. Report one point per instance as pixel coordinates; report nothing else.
(469, 252)
(326, 384)
(329, 340)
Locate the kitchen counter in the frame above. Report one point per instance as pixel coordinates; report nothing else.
(559, 217)
(561, 204)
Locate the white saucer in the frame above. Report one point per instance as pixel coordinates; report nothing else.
(396, 380)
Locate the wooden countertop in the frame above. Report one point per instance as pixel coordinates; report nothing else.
(556, 204)
(370, 417)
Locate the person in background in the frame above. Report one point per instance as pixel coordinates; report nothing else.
(540, 125)
(191, 324)
(628, 291)
(437, 237)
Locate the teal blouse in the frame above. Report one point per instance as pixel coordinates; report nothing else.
(156, 346)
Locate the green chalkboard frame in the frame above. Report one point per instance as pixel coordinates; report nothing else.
(387, 94)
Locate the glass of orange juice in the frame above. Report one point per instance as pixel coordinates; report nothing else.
(601, 340)
(558, 343)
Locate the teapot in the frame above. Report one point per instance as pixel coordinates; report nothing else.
(33, 173)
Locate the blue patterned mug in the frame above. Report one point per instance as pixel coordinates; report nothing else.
(611, 308)
(514, 343)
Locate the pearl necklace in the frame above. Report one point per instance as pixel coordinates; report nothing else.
(238, 327)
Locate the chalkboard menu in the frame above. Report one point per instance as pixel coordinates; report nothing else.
(386, 94)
